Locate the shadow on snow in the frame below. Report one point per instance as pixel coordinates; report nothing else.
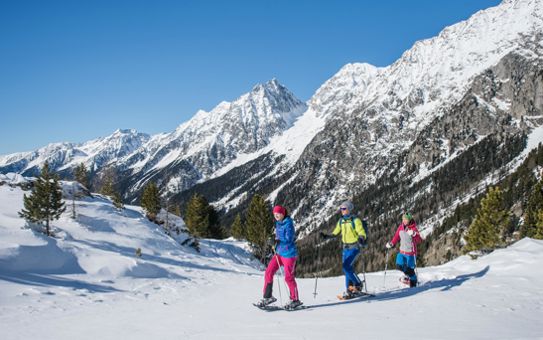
(44, 280)
(443, 285)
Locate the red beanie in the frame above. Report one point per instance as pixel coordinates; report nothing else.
(279, 209)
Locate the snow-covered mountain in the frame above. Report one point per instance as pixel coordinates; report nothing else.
(365, 121)
(176, 160)
(88, 283)
(63, 157)
(211, 140)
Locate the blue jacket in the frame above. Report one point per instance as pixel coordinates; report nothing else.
(285, 234)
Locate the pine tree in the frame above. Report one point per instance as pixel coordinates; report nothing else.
(487, 231)
(150, 200)
(201, 218)
(534, 206)
(74, 213)
(237, 230)
(539, 226)
(215, 229)
(81, 175)
(196, 218)
(118, 201)
(259, 226)
(44, 204)
(108, 182)
(175, 209)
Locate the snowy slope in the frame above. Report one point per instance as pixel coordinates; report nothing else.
(86, 284)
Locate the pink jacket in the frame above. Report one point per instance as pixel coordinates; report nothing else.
(408, 244)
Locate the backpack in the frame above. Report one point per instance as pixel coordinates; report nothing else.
(363, 243)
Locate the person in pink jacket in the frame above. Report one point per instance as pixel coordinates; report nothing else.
(408, 235)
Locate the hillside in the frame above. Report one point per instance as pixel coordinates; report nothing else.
(86, 283)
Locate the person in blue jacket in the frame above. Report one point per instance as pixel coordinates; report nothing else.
(285, 255)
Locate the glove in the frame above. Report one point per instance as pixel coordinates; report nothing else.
(411, 232)
(362, 241)
(389, 245)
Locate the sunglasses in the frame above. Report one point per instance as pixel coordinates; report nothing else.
(342, 208)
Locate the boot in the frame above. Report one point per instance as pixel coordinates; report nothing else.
(405, 280)
(293, 304)
(355, 289)
(266, 301)
(347, 295)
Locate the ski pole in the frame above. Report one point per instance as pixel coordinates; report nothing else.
(386, 266)
(315, 290)
(364, 274)
(278, 280)
(416, 271)
(283, 274)
(317, 272)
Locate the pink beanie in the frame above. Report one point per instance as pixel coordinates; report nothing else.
(279, 209)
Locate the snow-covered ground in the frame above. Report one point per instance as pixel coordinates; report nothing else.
(87, 283)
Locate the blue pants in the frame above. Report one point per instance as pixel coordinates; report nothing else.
(406, 263)
(349, 256)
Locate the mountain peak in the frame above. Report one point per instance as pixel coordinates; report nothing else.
(271, 86)
(125, 132)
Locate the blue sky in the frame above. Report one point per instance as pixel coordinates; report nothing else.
(77, 70)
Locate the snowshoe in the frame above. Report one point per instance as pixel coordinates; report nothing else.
(404, 280)
(351, 295)
(293, 304)
(355, 289)
(346, 295)
(265, 302)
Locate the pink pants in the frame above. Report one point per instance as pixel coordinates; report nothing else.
(289, 265)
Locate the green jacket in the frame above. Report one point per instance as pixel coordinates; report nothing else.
(349, 235)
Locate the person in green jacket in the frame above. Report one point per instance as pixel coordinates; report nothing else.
(352, 236)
